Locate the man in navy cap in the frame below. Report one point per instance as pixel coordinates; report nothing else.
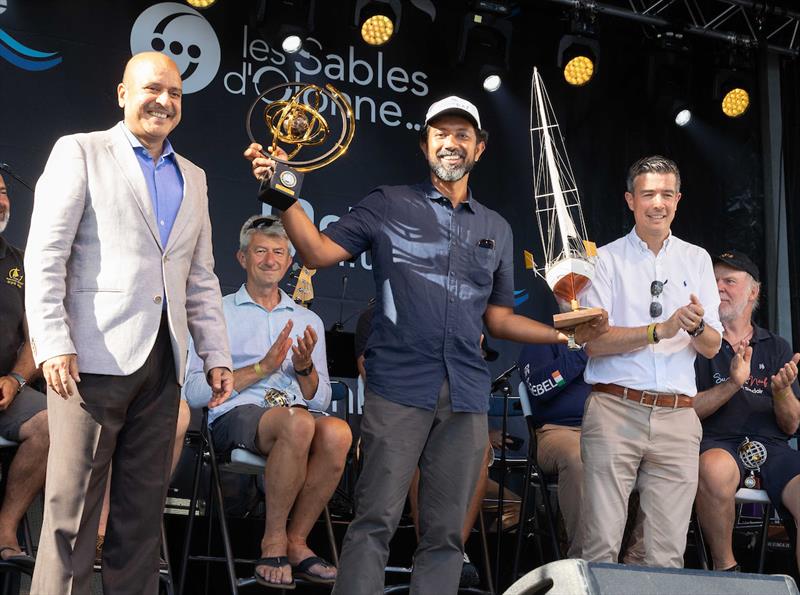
(443, 266)
(749, 391)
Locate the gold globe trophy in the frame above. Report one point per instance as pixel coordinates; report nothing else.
(296, 124)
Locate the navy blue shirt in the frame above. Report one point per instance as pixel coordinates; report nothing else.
(12, 305)
(436, 268)
(553, 375)
(749, 412)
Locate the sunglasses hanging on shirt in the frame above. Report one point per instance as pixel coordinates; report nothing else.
(656, 289)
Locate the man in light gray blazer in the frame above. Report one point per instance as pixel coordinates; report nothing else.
(120, 271)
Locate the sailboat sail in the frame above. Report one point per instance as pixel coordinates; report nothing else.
(568, 257)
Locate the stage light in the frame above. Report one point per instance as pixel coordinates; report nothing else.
(201, 4)
(291, 44)
(377, 20)
(735, 102)
(579, 71)
(577, 57)
(492, 82)
(683, 117)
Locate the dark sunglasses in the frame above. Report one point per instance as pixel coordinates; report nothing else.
(656, 289)
(262, 223)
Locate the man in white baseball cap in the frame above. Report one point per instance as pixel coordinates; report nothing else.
(443, 265)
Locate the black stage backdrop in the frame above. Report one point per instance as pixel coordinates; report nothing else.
(607, 124)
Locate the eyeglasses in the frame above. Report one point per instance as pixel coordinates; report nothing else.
(656, 289)
(263, 223)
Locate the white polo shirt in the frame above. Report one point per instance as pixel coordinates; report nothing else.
(625, 269)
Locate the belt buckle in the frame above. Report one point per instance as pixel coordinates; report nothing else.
(655, 398)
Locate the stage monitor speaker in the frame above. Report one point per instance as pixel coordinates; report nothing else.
(577, 577)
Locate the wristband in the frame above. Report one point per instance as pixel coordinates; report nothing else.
(699, 330)
(258, 370)
(652, 335)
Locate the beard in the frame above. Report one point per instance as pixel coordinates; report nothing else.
(450, 173)
(4, 221)
(731, 311)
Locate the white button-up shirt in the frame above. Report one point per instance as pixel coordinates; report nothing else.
(623, 274)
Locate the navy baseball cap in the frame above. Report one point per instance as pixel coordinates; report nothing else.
(738, 260)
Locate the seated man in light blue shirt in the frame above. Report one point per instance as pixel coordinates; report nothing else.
(277, 379)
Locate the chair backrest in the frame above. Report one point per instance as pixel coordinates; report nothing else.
(339, 390)
(524, 399)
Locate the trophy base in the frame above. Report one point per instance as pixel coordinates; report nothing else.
(574, 318)
(280, 191)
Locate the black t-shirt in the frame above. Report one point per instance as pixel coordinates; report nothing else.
(749, 412)
(12, 305)
(363, 329)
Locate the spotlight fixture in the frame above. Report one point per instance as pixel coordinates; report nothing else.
(201, 4)
(577, 57)
(377, 20)
(284, 22)
(492, 82)
(683, 117)
(292, 43)
(484, 48)
(735, 102)
(733, 83)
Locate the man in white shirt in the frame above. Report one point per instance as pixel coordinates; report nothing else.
(662, 303)
(276, 379)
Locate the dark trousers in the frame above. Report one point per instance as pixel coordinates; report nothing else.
(448, 448)
(128, 421)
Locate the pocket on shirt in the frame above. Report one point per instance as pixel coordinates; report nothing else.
(481, 265)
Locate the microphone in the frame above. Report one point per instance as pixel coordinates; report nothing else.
(5, 167)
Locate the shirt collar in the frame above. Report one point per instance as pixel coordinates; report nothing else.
(634, 238)
(433, 194)
(242, 297)
(759, 334)
(167, 151)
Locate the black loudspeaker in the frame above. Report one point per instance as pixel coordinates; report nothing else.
(577, 577)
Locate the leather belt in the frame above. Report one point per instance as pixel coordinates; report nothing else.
(646, 397)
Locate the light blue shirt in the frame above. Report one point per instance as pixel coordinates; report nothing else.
(164, 182)
(252, 330)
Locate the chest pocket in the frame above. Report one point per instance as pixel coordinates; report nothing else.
(481, 265)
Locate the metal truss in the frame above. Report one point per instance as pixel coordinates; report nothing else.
(745, 23)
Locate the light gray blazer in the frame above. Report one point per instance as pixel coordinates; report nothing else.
(96, 271)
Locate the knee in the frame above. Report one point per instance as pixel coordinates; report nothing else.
(297, 428)
(37, 431)
(718, 475)
(332, 435)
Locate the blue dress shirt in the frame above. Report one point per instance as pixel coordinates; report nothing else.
(164, 182)
(252, 330)
(436, 269)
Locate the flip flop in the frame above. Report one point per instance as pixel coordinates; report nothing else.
(274, 562)
(303, 571)
(22, 560)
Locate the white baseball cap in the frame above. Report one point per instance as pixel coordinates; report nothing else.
(453, 105)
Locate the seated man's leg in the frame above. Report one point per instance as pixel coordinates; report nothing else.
(559, 451)
(613, 437)
(326, 460)
(791, 500)
(719, 479)
(284, 436)
(393, 436)
(25, 422)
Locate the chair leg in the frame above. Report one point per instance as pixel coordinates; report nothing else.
(487, 564)
(223, 524)
(549, 513)
(699, 542)
(166, 577)
(523, 518)
(190, 520)
(331, 537)
(762, 553)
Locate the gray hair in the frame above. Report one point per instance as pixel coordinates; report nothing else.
(757, 285)
(654, 164)
(269, 225)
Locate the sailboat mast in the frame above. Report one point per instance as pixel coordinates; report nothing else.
(562, 215)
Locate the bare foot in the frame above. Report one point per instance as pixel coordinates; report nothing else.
(300, 551)
(277, 575)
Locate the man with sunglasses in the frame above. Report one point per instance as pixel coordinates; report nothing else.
(443, 267)
(748, 391)
(639, 426)
(276, 380)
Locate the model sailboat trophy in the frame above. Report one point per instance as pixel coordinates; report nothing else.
(569, 256)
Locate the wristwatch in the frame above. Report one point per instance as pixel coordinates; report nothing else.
(306, 371)
(19, 378)
(698, 331)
